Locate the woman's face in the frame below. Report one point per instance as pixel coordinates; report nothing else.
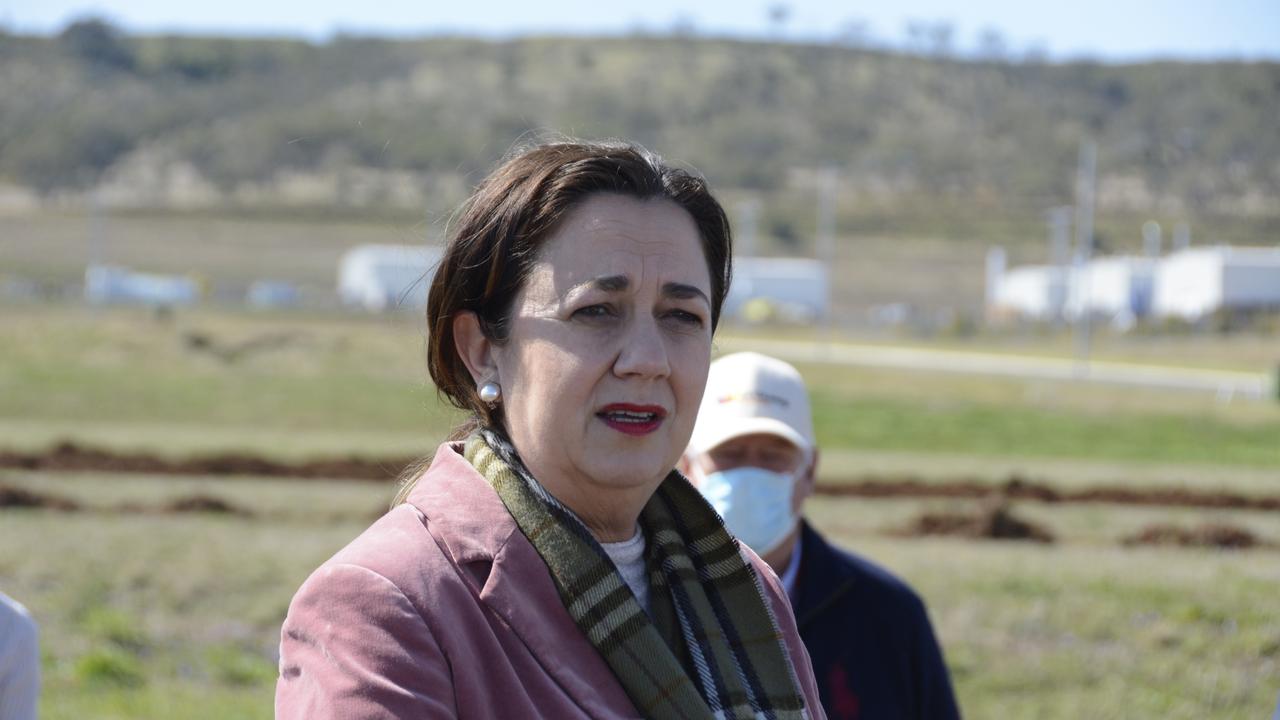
(609, 345)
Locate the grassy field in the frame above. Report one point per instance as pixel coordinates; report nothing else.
(341, 385)
(150, 615)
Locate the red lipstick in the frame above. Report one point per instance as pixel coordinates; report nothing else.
(633, 419)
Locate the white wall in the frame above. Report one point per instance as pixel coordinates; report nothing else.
(387, 277)
(1033, 291)
(798, 288)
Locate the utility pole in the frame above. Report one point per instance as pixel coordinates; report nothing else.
(1086, 177)
(829, 180)
(1060, 260)
(1151, 239)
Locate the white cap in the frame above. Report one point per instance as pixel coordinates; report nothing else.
(750, 393)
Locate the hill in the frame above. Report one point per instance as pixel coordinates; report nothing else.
(924, 145)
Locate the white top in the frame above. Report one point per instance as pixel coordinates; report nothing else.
(628, 557)
(19, 662)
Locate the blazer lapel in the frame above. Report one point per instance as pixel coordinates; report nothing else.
(512, 580)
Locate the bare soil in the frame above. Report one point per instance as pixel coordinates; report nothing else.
(16, 497)
(1214, 535)
(71, 457)
(1019, 488)
(994, 521)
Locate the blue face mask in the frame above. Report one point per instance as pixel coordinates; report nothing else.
(755, 504)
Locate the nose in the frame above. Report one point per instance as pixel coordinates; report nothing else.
(643, 351)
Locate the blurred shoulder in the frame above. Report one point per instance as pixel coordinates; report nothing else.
(16, 624)
(866, 580)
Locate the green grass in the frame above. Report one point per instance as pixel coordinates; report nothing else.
(950, 426)
(1084, 627)
(157, 616)
(344, 384)
(149, 616)
(125, 379)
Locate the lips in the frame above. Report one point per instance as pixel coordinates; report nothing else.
(633, 419)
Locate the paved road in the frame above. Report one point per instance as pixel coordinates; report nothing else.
(1223, 383)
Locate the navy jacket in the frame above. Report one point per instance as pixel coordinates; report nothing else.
(873, 650)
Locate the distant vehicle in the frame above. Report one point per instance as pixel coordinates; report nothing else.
(266, 294)
(110, 284)
(387, 277)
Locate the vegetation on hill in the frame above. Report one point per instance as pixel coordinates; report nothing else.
(367, 122)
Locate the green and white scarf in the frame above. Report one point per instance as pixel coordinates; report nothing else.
(711, 648)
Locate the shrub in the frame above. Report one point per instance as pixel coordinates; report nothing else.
(110, 666)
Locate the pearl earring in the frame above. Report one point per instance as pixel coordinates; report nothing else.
(490, 392)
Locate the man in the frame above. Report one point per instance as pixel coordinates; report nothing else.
(753, 456)
(19, 662)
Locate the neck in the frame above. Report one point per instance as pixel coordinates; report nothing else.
(608, 523)
(610, 513)
(779, 557)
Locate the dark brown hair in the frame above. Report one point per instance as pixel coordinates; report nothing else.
(513, 212)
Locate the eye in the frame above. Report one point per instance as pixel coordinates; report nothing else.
(594, 312)
(684, 317)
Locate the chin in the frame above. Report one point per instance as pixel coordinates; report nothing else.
(630, 469)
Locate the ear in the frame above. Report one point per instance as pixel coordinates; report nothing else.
(810, 477)
(474, 348)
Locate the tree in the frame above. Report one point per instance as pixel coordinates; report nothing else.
(98, 44)
(991, 45)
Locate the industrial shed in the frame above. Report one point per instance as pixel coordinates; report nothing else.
(1037, 292)
(789, 288)
(1117, 288)
(387, 277)
(1196, 282)
(1187, 284)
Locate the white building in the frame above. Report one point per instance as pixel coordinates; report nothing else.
(110, 284)
(1117, 288)
(387, 277)
(1188, 284)
(1036, 292)
(1196, 282)
(790, 288)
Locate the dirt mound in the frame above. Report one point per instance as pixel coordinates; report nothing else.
(1019, 488)
(1215, 535)
(204, 504)
(995, 521)
(1175, 497)
(71, 457)
(16, 497)
(187, 504)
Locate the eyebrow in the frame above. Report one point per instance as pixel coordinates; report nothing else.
(619, 283)
(681, 291)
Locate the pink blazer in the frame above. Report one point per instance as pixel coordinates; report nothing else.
(442, 609)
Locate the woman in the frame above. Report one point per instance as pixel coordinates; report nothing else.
(550, 563)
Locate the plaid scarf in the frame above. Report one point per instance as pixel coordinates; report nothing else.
(711, 648)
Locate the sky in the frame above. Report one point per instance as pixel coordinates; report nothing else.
(1113, 30)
